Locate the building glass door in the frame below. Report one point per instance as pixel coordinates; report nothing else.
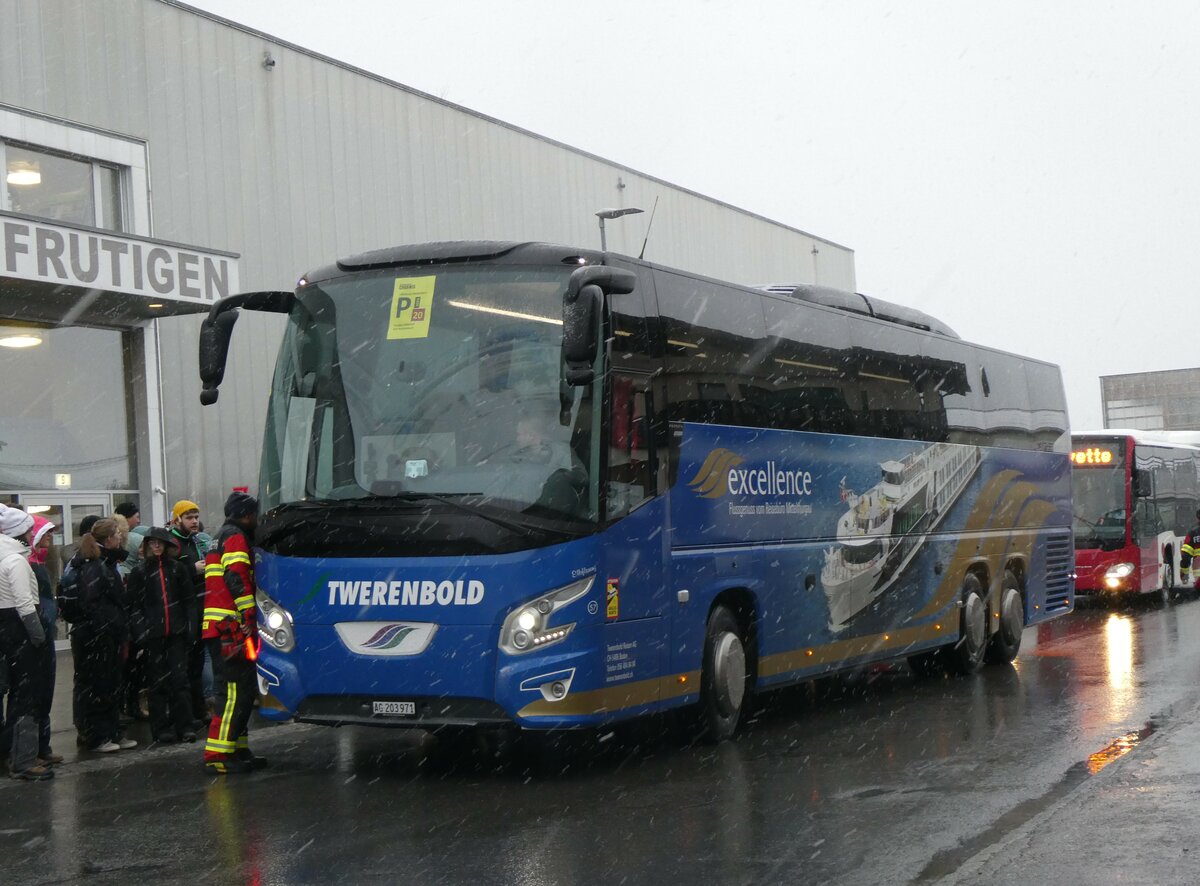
(65, 510)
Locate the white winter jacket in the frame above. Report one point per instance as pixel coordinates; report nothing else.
(18, 584)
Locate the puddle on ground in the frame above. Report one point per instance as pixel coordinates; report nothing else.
(1118, 748)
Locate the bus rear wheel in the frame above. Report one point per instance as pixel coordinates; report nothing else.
(724, 682)
(1006, 642)
(966, 656)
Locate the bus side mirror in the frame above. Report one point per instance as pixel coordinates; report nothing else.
(581, 323)
(583, 308)
(217, 328)
(215, 333)
(1141, 484)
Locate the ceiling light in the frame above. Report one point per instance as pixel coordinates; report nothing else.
(20, 341)
(23, 173)
(156, 304)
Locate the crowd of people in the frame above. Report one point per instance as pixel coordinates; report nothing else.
(164, 613)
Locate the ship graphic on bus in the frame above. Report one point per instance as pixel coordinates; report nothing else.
(882, 529)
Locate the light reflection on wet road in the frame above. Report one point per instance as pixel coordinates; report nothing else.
(881, 778)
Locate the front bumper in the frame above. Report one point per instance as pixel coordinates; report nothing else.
(461, 679)
(357, 710)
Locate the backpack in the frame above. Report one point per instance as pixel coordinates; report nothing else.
(69, 604)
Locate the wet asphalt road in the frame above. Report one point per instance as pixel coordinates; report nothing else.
(881, 778)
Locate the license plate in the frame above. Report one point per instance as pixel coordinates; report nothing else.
(395, 708)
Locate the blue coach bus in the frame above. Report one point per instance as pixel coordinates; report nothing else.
(526, 485)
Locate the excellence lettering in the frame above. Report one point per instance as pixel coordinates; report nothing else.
(769, 481)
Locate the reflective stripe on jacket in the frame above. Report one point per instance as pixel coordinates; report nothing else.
(228, 581)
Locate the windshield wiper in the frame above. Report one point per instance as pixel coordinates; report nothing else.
(477, 510)
(402, 501)
(291, 514)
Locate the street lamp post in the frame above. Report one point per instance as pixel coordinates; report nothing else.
(612, 213)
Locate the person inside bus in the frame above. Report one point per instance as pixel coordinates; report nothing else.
(564, 477)
(533, 445)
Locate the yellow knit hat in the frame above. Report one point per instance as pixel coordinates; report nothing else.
(182, 507)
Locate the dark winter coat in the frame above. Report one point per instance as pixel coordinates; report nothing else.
(192, 550)
(161, 599)
(102, 602)
(47, 605)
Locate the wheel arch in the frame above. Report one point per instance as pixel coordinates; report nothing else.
(982, 571)
(1019, 567)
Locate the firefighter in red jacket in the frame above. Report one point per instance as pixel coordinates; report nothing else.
(1189, 549)
(229, 628)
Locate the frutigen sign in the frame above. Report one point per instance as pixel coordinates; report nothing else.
(52, 253)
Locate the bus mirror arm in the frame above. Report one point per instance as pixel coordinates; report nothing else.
(583, 305)
(217, 329)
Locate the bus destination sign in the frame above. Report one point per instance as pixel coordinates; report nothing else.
(1092, 455)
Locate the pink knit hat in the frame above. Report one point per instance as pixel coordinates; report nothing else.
(40, 527)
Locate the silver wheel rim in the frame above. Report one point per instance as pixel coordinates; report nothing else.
(1012, 616)
(974, 624)
(729, 673)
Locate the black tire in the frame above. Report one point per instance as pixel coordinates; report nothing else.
(966, 656)
(1006, 642)
(725, 679)
(1167, 592)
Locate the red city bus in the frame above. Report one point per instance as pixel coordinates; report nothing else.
(1134, 496)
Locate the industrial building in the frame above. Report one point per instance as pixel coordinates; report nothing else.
(1152, 401)
(158, 157)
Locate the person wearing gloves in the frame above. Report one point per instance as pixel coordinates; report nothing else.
(1187, 552)
(229, 627)
(161, 600)
(97, 608)
(21, 640)
(43, 531)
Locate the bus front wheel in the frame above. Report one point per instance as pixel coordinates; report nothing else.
(966, 656)
(1167, 590)
(724, 680)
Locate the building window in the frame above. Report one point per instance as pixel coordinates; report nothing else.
(74, 174)
(70, 408)
(55, 186)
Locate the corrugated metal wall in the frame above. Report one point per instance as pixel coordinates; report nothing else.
(295, 166)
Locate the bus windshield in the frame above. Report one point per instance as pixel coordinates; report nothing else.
(1098, 500)
(432, 385)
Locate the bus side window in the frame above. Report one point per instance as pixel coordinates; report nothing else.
(630, 451)
(1146, 522)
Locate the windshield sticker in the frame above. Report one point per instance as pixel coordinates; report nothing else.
(412, 300)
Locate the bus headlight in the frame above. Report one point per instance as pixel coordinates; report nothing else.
(528, 626)
(274, 623)
(1116, 575)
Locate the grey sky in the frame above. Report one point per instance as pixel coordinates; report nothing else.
(1027, 172)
